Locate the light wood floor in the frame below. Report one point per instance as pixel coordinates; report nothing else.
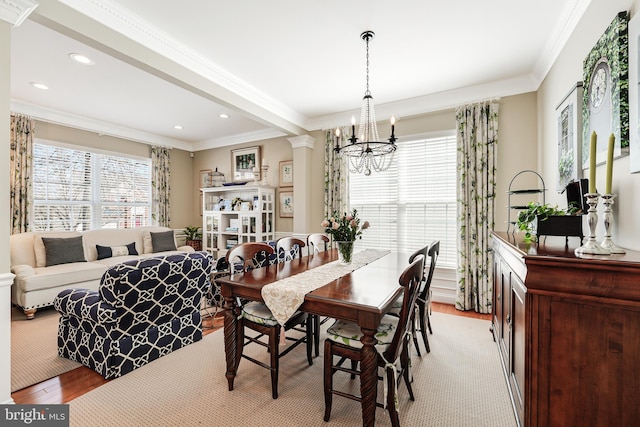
(68, 386)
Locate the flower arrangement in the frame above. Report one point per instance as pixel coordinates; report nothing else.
(345, 227)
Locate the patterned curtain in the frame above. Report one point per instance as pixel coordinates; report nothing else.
(477, 138)
(336, 195)
(20, 167)
(160, 185)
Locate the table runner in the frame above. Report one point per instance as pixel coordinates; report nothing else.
(285, 296)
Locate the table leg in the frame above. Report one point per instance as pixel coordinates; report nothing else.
(231, 339)
(368, 377)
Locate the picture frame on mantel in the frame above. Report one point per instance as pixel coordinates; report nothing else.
(634, 90)
(569, 113)
(243, 162)
(286, 204)
(286, 174)
(605, 100)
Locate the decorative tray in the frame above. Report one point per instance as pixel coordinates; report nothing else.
(229, 184)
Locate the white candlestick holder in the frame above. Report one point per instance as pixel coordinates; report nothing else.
(265, 168)
(591, 246)
(607, 243)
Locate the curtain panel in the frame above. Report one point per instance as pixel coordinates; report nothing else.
(336, 194)
(477, 137)
(160, 185)
(20, 168)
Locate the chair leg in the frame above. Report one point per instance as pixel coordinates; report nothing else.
(310, 329)
(274, 338)
(316, 334)
(423, 329)
(404, 363)
(328, 379)
(429, 324)
(391, 397)
(414, 334)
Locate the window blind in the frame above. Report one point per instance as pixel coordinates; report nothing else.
(80, 190)
(414, 201)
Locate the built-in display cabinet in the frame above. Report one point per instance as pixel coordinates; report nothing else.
(236, 214)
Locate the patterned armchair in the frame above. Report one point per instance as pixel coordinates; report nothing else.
(142, 310)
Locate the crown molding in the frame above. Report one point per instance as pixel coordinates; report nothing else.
(302, 141)
(75, 121)
(240, 138)
(121, 20)
(16, 11)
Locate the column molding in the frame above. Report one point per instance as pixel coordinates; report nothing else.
(302, 151)
(16, 11)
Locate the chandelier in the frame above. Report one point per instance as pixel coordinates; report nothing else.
(366, 152)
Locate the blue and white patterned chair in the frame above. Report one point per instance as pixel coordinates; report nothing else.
(143, 310)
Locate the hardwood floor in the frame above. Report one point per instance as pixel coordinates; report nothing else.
(68, 386)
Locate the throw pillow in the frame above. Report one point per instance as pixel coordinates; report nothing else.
(113, 251)
(163, 241)
(63, 250)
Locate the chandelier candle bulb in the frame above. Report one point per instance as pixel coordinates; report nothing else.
(592, 163)
(612, 139)
(393, 126)
(353, 127)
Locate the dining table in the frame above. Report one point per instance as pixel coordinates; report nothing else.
(363, 295)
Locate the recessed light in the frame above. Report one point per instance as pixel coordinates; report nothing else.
(81, 59)
(178, 127)
(223, 115)
(39, 85)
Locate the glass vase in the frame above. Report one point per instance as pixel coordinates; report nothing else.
(345, 252)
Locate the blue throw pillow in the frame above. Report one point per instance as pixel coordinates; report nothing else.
(112, 251)
(63, 250)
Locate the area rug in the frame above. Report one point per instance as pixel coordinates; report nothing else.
(34, 349)
(460, 383)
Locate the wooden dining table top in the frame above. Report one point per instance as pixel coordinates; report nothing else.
(362, 296)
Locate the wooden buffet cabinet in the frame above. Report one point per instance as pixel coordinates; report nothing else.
(568, 332)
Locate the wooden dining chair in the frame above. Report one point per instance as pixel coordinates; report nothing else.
(257, 316)
(288, 248)
(318, 242)
(343, 342)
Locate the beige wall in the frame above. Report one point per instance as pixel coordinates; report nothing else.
(182, 206)
(566, 71)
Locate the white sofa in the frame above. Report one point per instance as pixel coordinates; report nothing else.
(36, 285)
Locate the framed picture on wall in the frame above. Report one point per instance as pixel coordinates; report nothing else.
(205, 178)
(569, 143)
(243, 162)
(286, 173)
(286, 204)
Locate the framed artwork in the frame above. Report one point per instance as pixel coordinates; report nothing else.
(205, 178)
(605, 99)
(243, 162)
(634, 89)
(569, 142)
(286, 173)
(286, 204)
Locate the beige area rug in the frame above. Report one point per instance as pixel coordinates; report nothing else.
(460, 383)
(34, 349)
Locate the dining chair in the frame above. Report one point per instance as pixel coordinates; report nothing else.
(257, 317)
(343, 342)
(423, 303)
(288, 248)
(318, 242)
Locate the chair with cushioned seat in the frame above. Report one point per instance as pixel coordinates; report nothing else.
(343, 342)
(288, 248)
(256, 316)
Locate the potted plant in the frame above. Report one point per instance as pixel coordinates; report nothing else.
(529, 219)
(194, 237)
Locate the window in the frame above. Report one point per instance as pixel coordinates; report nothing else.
(81, 190)
(414, 201)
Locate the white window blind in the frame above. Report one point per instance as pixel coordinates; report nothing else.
(80, 190)
(412, 203)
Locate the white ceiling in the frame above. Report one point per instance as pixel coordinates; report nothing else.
(277, 68)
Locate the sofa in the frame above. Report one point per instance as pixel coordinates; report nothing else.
(45, 263)
(142, 310)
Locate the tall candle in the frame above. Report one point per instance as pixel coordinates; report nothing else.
(353, 127)
(592, 163)
(612, 139)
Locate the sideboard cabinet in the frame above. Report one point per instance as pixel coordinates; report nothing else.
(568, 332)
(225, 225)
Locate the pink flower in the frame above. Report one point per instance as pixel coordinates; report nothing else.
(324, 224)
(353, 223)
(365, 225)
(335, 225)
(349, 217)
